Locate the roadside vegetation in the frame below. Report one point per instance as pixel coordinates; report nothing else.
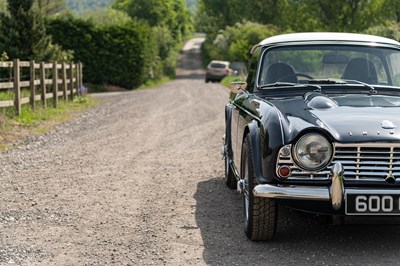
(227, 80)
(123, 45)
(128, 44)
(233, 26)
(14, 128)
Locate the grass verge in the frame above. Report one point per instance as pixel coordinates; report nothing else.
(227, 80)
(154, 83)
(13, 129)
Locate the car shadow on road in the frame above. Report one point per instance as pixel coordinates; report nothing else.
(301, 238)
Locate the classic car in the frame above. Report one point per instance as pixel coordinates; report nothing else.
(314, 128)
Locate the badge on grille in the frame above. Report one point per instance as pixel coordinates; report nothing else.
(386, 124)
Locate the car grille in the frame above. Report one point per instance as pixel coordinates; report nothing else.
(360, 161)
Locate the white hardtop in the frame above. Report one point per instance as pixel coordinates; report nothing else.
(327, 36)
(219, 62)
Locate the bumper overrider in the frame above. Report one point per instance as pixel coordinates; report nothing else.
(335, 193)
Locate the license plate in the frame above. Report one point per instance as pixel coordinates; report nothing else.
(372, 204)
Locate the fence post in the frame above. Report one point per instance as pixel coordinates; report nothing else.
(32, 84)
(80, 75)
(43, 84)
(17, 87)
(77, 79)
(64, 81)
(55, 85)
(71, 78)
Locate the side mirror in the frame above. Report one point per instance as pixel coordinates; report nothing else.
(238, 87)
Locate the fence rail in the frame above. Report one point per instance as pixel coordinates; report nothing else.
(47, 77)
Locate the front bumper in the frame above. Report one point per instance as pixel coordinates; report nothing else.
(335, 193)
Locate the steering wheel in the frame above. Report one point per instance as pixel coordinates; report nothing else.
(304, 75)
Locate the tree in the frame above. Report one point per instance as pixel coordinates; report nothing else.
(50, 7)
(152, 11)
(234, 43)
(214, 15)
(172, 14)
(3, 5)
(106, 16)
(349, 15)
(192, 4)
(391, 10)
(169, 20)
(23, 32)
(389, 29)
(79, 6)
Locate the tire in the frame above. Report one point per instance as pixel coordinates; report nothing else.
(230, 178)
(260, 214)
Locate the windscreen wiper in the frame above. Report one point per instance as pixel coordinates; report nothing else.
(289, 84)
(343, 81)
(277, 84)
(370, 87)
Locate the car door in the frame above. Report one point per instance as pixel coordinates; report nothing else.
(242, 104)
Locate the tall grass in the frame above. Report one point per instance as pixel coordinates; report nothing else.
(7, 96)
(63, 112)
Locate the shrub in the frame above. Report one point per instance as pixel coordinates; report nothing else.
(123, 55)
(234, 43)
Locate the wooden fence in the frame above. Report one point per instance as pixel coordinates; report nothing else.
(48, 78)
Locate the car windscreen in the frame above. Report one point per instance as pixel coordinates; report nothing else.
(217, 65)
(298, 64)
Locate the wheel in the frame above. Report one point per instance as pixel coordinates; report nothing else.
(260, 213)
(230, 178)
(207, 80)
(295, 75)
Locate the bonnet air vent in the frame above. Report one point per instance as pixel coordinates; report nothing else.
(319, 101)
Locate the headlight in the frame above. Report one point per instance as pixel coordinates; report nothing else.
(312, 152)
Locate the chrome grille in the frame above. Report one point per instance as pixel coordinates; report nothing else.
(360, 161)
(368, 161)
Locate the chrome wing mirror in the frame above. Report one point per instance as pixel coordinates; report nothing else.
(238, 87)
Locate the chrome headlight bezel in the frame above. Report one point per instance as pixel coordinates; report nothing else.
(303, 152)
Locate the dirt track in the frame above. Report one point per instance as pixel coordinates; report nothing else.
(139, 181)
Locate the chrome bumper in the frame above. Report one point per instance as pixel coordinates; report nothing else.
(334, 193)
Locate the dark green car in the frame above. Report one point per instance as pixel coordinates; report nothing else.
(314, 128)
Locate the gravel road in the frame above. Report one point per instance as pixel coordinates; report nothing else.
(138, 180)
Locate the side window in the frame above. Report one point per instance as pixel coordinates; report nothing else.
(252, 75)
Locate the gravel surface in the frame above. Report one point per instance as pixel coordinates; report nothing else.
(138, 180)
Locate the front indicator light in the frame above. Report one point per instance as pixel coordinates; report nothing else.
(284, 171)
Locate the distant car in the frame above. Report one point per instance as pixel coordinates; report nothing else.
(217, 70)
(316, 127)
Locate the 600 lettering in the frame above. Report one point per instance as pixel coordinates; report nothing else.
(372, 204)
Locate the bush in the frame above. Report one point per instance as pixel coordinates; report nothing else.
(389, 29)
(123, 55)
(234, 43)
